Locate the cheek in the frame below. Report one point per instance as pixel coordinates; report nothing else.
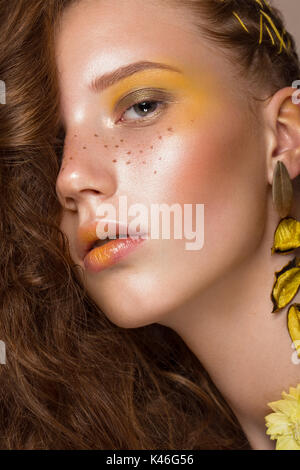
(204, 165)
(224, 169)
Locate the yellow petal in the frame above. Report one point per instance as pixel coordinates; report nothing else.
(288, 396)
(286, 285)
(294, 329)
(277, 424)
(287, 236)
(287, 443)
(284, 406)
(284, 424)
(295, 392)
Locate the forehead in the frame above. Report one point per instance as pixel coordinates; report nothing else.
(121, 20)
(97, 36)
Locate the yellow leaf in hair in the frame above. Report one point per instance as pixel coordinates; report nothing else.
(294, 325)
(287, 236)
(286, 285)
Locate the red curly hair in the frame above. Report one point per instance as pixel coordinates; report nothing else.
(74, 380)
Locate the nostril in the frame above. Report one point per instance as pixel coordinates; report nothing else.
(95, 191)
(70, 204)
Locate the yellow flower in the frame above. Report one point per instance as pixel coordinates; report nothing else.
(284, 423)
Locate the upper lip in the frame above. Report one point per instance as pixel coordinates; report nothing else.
(87, 234)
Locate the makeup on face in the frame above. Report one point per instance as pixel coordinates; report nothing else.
(181, 95)
(111, 253)
(103, 244)
(158, 85)
(165, 87)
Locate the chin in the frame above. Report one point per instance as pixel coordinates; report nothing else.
(128, 314)
(133, 306)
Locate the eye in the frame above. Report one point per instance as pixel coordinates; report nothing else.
(142, 110)
(143, 106)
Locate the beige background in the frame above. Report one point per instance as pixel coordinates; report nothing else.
(291, 12)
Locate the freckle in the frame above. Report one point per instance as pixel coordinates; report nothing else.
(71, 158)
(170, 129)
(116, 146)
(160, 137)
(128, 163)
(128, 153)
(122, 140)
(141, 151)
(192, 120)
(115, 161)
(151, 147)
(106, 146)
(84, 147)
(96, 135)
(75, 135)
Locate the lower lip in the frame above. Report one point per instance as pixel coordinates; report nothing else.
(111, 253)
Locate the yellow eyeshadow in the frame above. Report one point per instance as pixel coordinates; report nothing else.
(147, 78)
(172, 82)
(196, 92)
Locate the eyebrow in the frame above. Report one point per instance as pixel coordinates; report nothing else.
(108, 79)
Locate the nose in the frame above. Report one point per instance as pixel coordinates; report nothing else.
(84, 177)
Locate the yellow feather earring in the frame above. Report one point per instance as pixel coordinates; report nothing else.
(282, 189)
(283, 425)
(286, 241)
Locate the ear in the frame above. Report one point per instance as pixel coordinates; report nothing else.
(283, 116)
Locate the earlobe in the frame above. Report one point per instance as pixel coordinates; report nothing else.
(286, 115)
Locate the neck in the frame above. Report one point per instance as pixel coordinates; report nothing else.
(245, 348)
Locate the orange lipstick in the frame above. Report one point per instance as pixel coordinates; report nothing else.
(101, 249)
(112, 252)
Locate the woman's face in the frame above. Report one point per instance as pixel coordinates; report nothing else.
(191, 141)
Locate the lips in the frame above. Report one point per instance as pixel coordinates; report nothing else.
(99, 243)
(93, 249)
(87, 235)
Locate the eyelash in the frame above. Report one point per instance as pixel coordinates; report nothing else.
(153, 114)
(149, 96)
